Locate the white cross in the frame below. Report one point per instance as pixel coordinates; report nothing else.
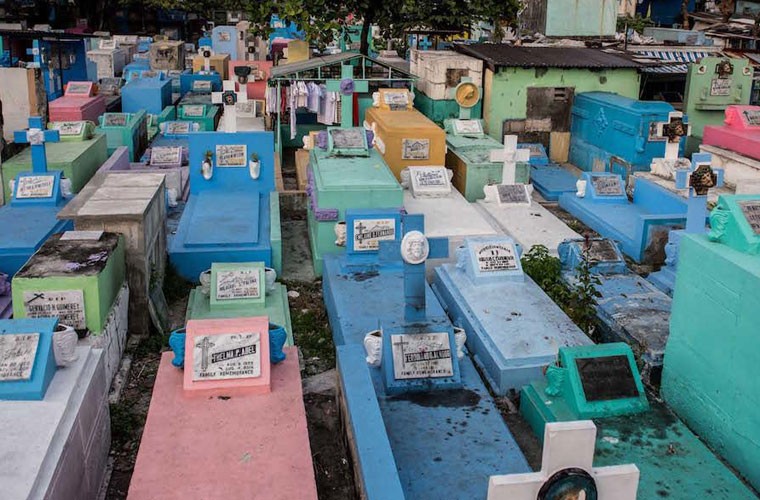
(206, 51)
(229, 97)
(510, 155)
(568, 445)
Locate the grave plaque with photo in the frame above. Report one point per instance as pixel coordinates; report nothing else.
(425, 355)
(720, 87)
(607, 185)
(227, 356)
(17, 355)
(67, 305)
(606, 378)
(751, 211)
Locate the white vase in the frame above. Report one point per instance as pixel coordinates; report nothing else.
(270, 276)
(373, 346)
(254, 167)
(65, 345)
(460, 337)
(205, 279)
(340, 234)
(580, 185)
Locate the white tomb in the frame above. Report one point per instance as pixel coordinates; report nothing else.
(567, 466)
(428, 191)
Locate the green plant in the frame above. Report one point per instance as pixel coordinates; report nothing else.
(584, 294)
(636, 23)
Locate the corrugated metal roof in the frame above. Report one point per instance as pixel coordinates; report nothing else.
(286, 71)
(673, 61)
(498, 55)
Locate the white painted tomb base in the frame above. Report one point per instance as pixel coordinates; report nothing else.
(737, 169)
(113, 339)
(57, 448)
(528, 225)
(244, 123)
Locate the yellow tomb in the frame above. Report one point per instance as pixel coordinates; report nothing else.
(404, 136)
(217, 62)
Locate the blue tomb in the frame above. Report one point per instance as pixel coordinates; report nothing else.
(549, 179)
(698, 179)
(60, 61)
(612, 133)
(513, 328)
(151, 94)
(224, 40)
(30, 218)
(422, 413)
(200, 83)
(630, 309)
(232, 213)
(640, 226)
(27, 362)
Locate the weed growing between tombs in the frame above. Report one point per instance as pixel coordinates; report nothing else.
(578, 300)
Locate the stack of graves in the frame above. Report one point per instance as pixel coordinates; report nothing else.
(513, 328)
(421, 397)
(346, 174)
(510, 207)
(713, 344)
(237, 417)
(30, 217)
(59, 417)
(151, 93)
(233, 211)
(602, 383)
(125, 129)
(80, 278)
(403, 135)
(78, 103)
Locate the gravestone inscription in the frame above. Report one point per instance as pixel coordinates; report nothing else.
(35, 186)
(415, 149)
(368, 233)
(512, 193)
(425, 355)
(495, 257)
(17, 354)
(238, 284)
(607, 185)
(751, 211)
(227, 356)
(606, 378)
(67, 305)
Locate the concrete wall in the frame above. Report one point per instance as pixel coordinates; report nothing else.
(505, 95)
(576, 18)
(22, 95)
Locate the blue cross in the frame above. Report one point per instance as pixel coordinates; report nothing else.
(424, 43)
(696, 212)
(37, 136)
(414, 274)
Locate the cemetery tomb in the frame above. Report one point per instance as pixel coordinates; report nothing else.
(125, 129)
(601, 383)
(239, 113)
(224, 40)
(428, 191)
(200, 83)
(198, 108)
(630, 308)
(230, 402)
(79, 102)
(167, 55)
(612, 133)
(713, 348)
(406, 415)
(129, 44)
(239, 290)
(60, 425)
(254, 79)
(549, 180)
(712, 85)
(217, 63)
(175, 76)
(6, 307)
(403, 135)
(148, 93)
(347, 174)
(34, 203)
(133, 205)
(109, 58)
(79, 277)
(110, 89)
(640, 226)
(232, 213)
(735, 144)
(77, 157)
(511, 209)
(513, 328)
(567, 470)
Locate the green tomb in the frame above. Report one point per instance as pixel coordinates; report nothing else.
(126, 129)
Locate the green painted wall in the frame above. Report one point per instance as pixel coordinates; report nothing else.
(506, 95)
(581, 17)
(713, 353)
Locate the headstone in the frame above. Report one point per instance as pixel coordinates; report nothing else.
(510, 155)
(227, 356)
(605, 185)
(79, 102)
(27, 363)
(125, 129)
(567, 470)
(509, 194)
(429, 182)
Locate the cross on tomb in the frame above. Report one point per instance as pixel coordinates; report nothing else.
(207, 53)
(413, 250)
(510, 155)
(205, 345)
(424, 43)
(229, 97)
(347, 87)
(672, 131)
(699, 179)
(567, 470)
(37, 136)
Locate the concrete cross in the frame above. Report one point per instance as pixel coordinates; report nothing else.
(413, 250)
(205, 345)
(347, 87)
(567, 468)
(37, 136)
(229, 97)
(424, 42)
(510, 155)
(699, 179)
(673, 131)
